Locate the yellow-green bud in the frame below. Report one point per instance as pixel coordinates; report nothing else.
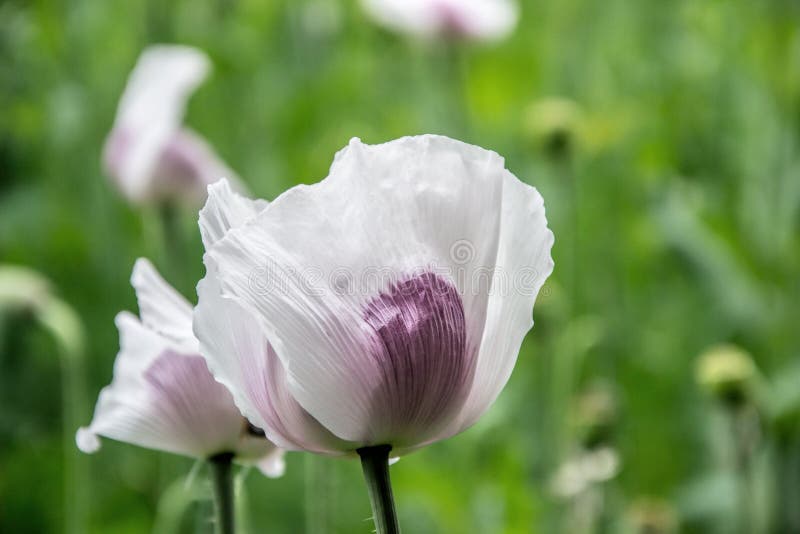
(552, 123)
(727, 372)
(651, 516)
(596, 415)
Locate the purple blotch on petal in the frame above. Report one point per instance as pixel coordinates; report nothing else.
(196, 404)
(186, 165)
(284, 415)
(420, 346)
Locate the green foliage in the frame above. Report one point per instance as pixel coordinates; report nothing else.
(670, 167)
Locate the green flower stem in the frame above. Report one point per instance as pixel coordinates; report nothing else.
(745, 431)
(222, 480)
(242, 508)
(317, 494)
(375, 464)
(173, 503)
(64, 324)
(76, 478)
(165, 241)
(172, 240)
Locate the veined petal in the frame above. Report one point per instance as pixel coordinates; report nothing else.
(162, 399)
(161, 308)
(225, 209)
(392, 243)
(150, 113)
(240, 357)
(162, 395)
(523, 265)
(199, 409)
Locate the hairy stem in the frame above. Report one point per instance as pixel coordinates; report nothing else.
(375, 464)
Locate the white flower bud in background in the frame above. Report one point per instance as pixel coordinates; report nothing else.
(584, 470)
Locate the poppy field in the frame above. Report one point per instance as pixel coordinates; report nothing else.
(252, 253)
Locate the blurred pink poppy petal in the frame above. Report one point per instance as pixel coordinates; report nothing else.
(482, 20)
(149, 154)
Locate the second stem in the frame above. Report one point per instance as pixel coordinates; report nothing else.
(222, 480)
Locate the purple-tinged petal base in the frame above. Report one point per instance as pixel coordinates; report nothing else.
(420, 347)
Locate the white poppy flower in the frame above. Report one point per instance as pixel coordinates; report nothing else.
(163, 396)
(472, 19)
(149, 154)
(588, 468)
(384, 305)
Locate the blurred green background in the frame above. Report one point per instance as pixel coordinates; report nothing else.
(664, 139)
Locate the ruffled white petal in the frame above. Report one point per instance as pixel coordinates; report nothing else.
(239, 355)
(150, 114)
(162, 399)
(225, 209)
(523, 265)
(476, 19)
(310, 262)
(161, 308)
(162, 395)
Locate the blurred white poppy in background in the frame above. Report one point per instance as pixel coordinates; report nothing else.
(584, 470)
(471, 19)
(149, 154)
(162, 396)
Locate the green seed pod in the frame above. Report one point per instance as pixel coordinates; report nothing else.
(596, 415)
(728, 373)
(552, 124)
(651, 516)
